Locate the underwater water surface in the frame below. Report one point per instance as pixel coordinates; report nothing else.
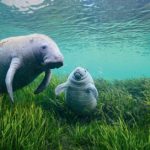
(109, 38)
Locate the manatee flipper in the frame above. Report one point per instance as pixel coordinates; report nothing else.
(45, 82)
(92, 88)
(61, 88)
(14, 66)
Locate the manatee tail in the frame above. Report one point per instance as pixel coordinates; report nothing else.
(61, 88)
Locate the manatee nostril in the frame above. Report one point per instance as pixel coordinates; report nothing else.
(55, 57)
(58, 58)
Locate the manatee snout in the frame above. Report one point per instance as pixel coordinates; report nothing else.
(52, 57)
(56, 62)
(79, 73)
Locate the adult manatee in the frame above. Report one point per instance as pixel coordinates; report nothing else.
(81, 93)
(23, 58)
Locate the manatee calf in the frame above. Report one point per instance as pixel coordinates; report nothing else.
(23, 58)
(80, 91)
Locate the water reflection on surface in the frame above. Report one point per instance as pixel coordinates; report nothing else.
(24, 5)
(110, 38)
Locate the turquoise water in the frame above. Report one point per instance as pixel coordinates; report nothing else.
(109, 38)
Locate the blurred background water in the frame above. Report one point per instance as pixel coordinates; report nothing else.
(111, 38)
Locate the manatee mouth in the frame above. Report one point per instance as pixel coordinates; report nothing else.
(53, 65)
(78, 75)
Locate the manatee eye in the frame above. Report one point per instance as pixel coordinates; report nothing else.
(44, 47)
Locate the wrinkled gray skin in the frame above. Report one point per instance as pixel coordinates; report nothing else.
(23, 58)
(80, 91)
